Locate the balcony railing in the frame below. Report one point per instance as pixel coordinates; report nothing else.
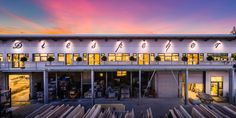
(44, 65)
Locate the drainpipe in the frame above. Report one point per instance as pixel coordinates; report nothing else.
(140, 82)
(92, 85)
(45, 85)
(186, 87)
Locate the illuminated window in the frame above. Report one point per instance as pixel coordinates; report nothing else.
(118, 57)
(1, 58)
(121, 73)
(41, 57)
(61, 57)
(219, 56)
(94, 59)
(85, 57)
(111, 57)
(8, 57)
(75, 56)
(169, 56)
(16, 57)
(201, 57)
(152, 57)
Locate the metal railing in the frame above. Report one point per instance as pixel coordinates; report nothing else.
(43, 65)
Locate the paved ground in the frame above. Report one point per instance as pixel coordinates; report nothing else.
(159, 106)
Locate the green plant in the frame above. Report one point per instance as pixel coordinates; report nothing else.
(234, 57)
(104, 58)
(78, 59)
(23, 59)
(184, 58)
(210, 58)
(157, 59)
(50, 59)
(131, 58)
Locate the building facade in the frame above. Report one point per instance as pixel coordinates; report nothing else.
(157, 68)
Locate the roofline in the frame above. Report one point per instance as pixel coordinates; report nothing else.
(115, 36)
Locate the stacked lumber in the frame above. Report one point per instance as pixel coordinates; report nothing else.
(70, 111)
(202, 111)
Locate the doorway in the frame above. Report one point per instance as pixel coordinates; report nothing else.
(20, 88)
(217, 86)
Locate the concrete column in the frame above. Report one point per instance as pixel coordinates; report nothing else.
(81, 84)
(131, 83)
(140, 82)
(231, 86)
(92, 86)
(45, 86)
(186, 87)
(106, 80)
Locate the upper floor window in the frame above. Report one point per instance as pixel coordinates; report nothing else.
(169, 56)
(118, 57)
(61, 57)
(1, 57)
(37, 57)
(219, 56)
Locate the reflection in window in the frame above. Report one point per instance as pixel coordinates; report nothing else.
(37, 57)
(118, 57)
(169, 56)
(61, 57)
(219, 56)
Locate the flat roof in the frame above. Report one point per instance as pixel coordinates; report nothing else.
(115, 36)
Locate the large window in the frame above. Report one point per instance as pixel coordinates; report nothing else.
(169, 56)
(1, 58)
(94, 59)
(42, 57)
(219, 56)
(15, 59)
(61, 57)
(118, 57)
(75, 56)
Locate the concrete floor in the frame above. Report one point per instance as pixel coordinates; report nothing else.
(159, 106)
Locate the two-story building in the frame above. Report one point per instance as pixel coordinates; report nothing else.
(133, 65)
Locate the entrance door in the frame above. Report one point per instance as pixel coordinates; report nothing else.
(94, 59)
(16, 63)
(20, 88)
(193, 58)
(217, 86)
(69, 58)
(143, 59)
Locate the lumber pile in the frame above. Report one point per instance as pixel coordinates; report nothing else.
(202, 111)
(70, 111)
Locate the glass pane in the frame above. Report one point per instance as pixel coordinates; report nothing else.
(111, 57)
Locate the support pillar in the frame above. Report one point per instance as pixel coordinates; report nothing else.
(131, 83)
(140, 82)
(186, 87)
(106, 80)
(231, 86)
(45, 86)
(92, 86)
(81, 84)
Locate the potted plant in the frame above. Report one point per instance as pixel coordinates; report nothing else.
(184, 59)
(210, 58)
(78, 59)
(132, 59)
(23, 60)
(104, 58)
(50, 59)
(157, 59)
(233, 57)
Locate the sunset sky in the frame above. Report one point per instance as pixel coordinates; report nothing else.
(117, 16)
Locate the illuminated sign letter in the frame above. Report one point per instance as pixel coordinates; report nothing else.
(119, 46)
(43, 44)
(17, 45)
(68, 45)
(168, 45)
(94, 45)
(217, 44)
(144, 45)
(193, 45)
